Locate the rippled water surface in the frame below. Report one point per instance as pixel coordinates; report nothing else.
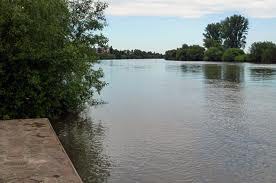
(182, 122)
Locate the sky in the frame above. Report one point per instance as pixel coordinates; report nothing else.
(160, 25)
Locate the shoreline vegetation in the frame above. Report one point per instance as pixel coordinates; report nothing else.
(225, 41)
(47, 56)
(114, 54)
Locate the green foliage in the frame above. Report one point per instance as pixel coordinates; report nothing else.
(269, 56)
(209, 43)
(231, 33)
(186, 53)
(127, 54)
(231, 53)
(212, 35)
(241, 58)
(185, 46)
(263, 52)
(181, 53)
(46, 56)
(195, 53)
(170, 55)
(234, 30)
(213, 54)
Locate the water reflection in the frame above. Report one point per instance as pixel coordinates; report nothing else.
(191, 68)
(184, 68)
(83, 141)
(179, 122)
(225, 72)
(230, 142)
(260, 74)
(212, 72)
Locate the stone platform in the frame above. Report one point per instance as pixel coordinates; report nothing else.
(30, 152)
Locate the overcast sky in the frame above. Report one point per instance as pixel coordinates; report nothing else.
(159, 25)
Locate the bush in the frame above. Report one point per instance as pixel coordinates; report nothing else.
(241, 58)
(231, 53)
(181, 54)
(46, 56)
(269, 56)
(186, 53)
(213, 54)
(262, 52)
(170, 55)
(195, 53)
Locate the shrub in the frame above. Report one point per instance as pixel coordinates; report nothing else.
(269, 56)
(46, 56)
(181, 54)
(262, 52)
(195, 53)
(241, 58)
(213, 54)
(170, 55)
(186, 53)
(231, 53)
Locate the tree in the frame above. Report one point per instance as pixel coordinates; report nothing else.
(186, 53)
(269, 56)
(234, 30)
(181, 54)
(231, 54)
(213, 54)
(195, 53)
(212, 35)
(241, 58)
(129, 54)
(185, 46)
(170, 55)
(47, 56)
(86, 17)
(111, 50)
(262, 52)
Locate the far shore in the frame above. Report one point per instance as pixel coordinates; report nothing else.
(230, 62)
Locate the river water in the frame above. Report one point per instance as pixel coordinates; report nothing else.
(166, 122)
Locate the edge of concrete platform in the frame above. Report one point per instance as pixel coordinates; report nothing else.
(62, 148)
(30, 151)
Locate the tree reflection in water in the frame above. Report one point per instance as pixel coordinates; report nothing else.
(83, 141)
(261, 74)
(227, 72)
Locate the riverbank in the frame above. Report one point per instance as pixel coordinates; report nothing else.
(189, 61)
(31, 152)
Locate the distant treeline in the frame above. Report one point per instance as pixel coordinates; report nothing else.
(111, 53)
(225, 41)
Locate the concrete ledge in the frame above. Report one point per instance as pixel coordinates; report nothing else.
(31, 152)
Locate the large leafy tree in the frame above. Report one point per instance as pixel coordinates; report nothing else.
(229, 33)
(212, 35)
(87, 17)
(234, 30)
(263, 52)
(47, 56)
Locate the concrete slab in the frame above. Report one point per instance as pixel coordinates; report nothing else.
(30, 152)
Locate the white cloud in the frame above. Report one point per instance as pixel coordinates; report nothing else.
(191, 8)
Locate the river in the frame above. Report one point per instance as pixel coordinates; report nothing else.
(166, 122)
